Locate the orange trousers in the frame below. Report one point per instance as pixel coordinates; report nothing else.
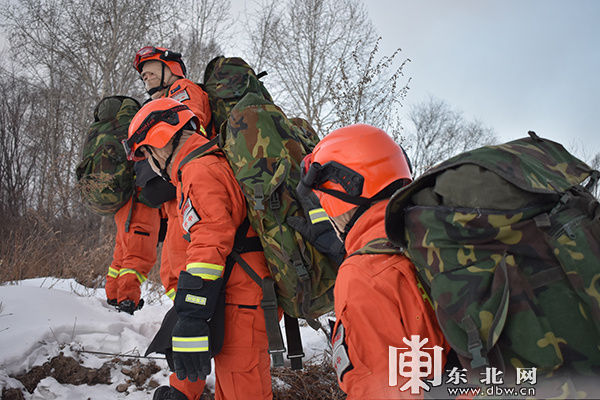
(243, 367)
(135, 251)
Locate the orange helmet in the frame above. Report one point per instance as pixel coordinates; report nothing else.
(155, 124)
(170, 58)
(354, 166)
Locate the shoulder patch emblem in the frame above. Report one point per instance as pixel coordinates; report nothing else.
(176, 89)
(190, 216)
(181, 96)
(340, 360)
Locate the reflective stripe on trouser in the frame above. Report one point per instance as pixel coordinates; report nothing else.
(318, 215)
(190, 344)
(171, 294)
(113, 272)
(207, 271)
(125, 271)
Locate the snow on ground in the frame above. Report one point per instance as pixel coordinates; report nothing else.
(39, 318)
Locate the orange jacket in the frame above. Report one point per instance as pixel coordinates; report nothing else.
(135, 251)
(174, 249)
(377, 304)
(192, 95)
(211, 207)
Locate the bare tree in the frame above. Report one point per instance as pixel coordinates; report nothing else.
(202, 26)
(370, 92)
(18, 148)
(72, 53)
(302, 43)
(439, 132)
(94, 39)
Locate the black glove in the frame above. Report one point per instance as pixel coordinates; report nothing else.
(129, 306)
(317, 230)
(191, 355)
(112, 302)
(195, 303)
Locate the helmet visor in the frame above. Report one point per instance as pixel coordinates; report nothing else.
(132, 144)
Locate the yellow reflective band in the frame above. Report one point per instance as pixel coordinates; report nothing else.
(125, 271)
(113, 272)
(190, 349)
(317, 215)
(190, 344)
(171, 294)
(205, 270)
(190, 298)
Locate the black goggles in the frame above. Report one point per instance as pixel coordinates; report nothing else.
(170, 116)
(315, 174)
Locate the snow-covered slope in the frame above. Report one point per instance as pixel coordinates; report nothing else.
(39, 318)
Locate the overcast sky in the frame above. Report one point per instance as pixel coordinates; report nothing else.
(516, 65)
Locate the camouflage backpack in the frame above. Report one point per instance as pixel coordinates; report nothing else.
(105, 176)
(227, 80)
(264, 149)
(507, 240)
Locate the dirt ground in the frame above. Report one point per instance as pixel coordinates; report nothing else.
(315, 381)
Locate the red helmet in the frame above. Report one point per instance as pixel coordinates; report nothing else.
(170, 58)
(155, 124)
(354, 166)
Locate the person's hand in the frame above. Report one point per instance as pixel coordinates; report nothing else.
(318, 230)
(191, 355)
(129, 306)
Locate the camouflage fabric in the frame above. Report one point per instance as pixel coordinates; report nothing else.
(264, 150)
(227, 80)
(307, 133)
(105, 177)
(511, 288)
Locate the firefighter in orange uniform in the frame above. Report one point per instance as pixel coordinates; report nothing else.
(163, 73)
(212, 211)
(134, 254)
(354, 171)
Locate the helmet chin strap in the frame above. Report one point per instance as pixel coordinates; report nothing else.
(163, 171)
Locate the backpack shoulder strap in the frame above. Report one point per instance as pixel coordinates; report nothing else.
(198, 152)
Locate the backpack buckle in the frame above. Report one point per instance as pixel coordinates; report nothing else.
(258, 197)
(274, 202)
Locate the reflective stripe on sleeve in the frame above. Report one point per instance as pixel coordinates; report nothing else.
(205, 270)
(125, 271)
(190, 344)
(113, 272)
(171, 294)
(317, 215)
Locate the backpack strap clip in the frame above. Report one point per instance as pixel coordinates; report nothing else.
(258, 197)
(474, 343)
(269, 305)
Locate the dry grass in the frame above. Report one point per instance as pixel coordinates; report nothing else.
(316, 381)
(39, 246)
